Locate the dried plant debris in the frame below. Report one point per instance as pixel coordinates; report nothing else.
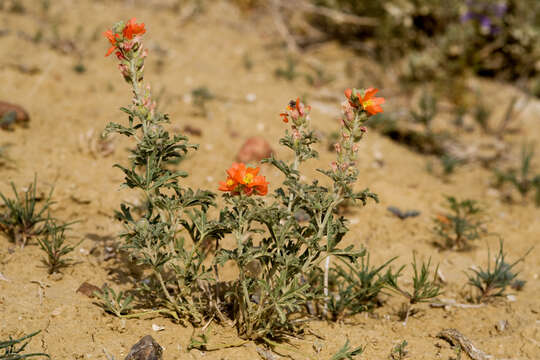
(456, 338)
(403, 214)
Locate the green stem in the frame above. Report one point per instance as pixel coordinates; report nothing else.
(141, 314)
(327, 262)
(294, 167)
(164, 288)
(225, 346)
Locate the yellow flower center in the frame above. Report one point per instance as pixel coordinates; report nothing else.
(230, 182)
(248, 178)
(367, 103)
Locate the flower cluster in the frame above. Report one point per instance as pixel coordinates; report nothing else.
(126, 40)
(297, 112)
(359, 106)
(124, 37)
(242, 179)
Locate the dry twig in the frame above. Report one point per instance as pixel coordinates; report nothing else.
(456, 338)
(335, 15)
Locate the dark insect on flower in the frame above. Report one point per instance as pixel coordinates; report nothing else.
(292, 104)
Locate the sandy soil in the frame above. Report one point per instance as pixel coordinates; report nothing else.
(210, 50)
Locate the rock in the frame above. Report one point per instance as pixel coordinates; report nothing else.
(146, 349)
(254, 149)
(192, 130)
(12, 113)
(501, 325)
(88, 289)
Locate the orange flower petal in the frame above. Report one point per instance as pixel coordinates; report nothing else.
(132, 29)
(223, 186)
(298, 104)
(253, 171)
(369, 93)
(109, 52)
(262, 189)
(443, 219)
(237, 171)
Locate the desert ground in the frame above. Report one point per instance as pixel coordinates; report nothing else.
(69, 108)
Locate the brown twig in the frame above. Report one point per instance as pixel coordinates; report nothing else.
(282, 27)
(453, 303)
(456, 338)
(335, 15)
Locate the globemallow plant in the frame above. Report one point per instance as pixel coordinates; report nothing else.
(283, 264)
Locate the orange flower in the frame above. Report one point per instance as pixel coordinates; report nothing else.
(246, 179)
(130, 30)
(368, 101)
(228, 185)
(295, 110)
(133, 29)
(443, 219)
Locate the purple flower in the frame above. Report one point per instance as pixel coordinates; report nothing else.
(485, 22)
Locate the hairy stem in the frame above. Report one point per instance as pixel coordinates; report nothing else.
(164, 288)
(322, 226)
(294, 167)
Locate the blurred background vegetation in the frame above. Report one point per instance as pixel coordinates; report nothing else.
(427, 39)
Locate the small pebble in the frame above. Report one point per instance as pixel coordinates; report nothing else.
(501, 325)
(56, 276)
(192, 130)
(88, 289)
(187, 98)
(56, 311)
(156, 327)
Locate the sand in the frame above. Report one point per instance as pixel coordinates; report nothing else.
(210, 50)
